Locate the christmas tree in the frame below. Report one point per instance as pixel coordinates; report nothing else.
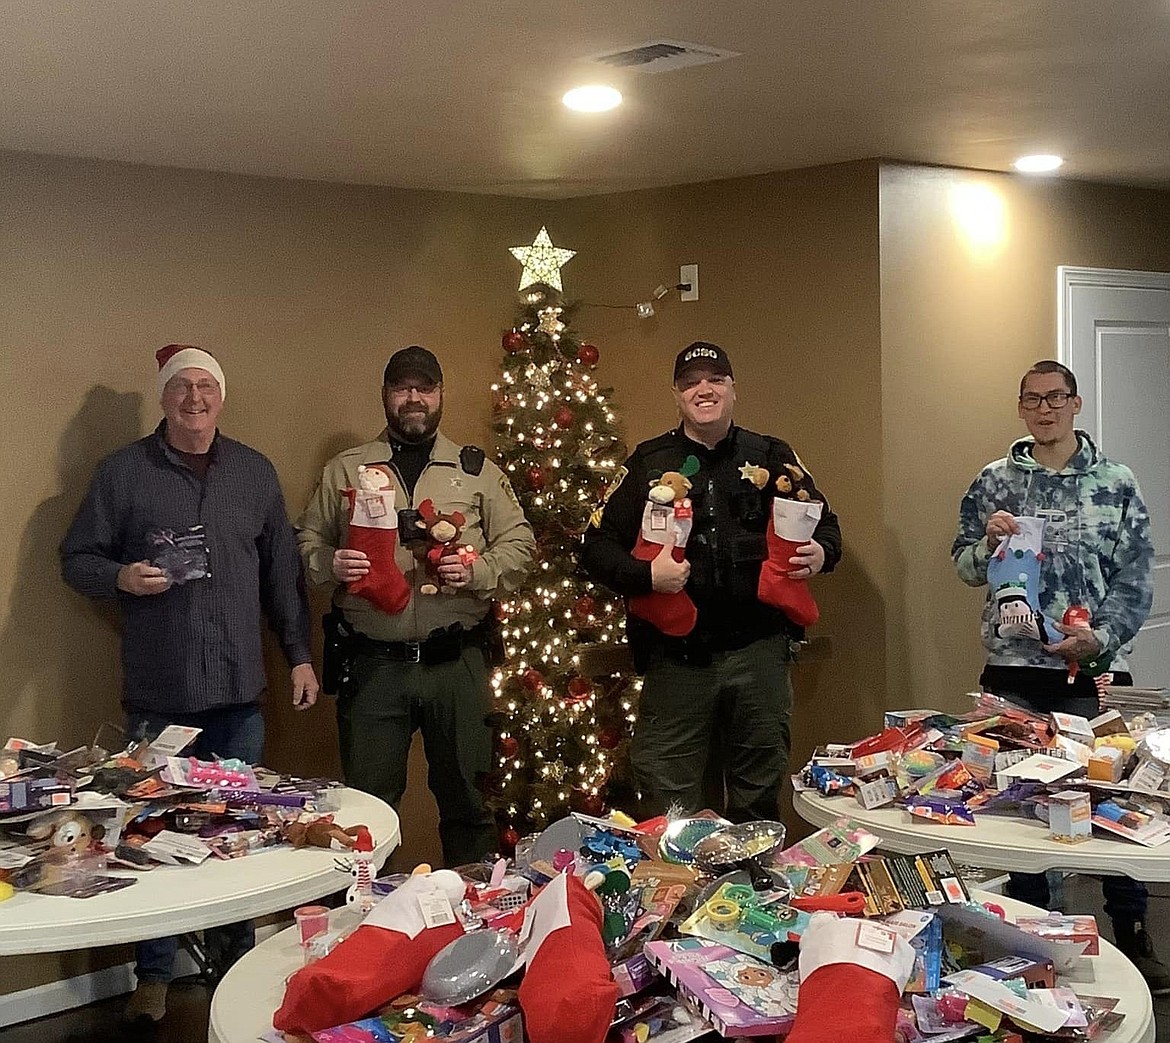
(562, 715)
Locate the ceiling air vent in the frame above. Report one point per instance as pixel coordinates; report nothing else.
(663, 56)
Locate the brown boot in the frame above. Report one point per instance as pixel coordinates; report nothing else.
(148, 1001)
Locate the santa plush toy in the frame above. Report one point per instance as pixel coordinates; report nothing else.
(373, 529)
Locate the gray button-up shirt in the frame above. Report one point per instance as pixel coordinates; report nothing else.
(196, 646)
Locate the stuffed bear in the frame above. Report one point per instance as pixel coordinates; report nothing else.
(442, 533)
(666, 523)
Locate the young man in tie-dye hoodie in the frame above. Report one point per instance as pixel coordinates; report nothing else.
(1096, 554)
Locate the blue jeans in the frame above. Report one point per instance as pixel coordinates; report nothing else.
(1125, 899)
(233, 731)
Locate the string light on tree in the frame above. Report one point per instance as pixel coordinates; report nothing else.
(562, 736)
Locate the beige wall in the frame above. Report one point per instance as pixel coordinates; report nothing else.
(788, 275)
(301, 290)
(862, 328)
(968, 282)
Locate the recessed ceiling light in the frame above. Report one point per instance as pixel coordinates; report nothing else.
(1037, 164)
(593, 98)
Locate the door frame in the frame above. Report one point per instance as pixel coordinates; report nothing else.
(1069, 276)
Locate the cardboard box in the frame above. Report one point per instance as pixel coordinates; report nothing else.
(979, 756)
(1109, 723)
(1106, 764)
(1148, 775)
(1037, 974)
(877, 793)
(872, 763)
(34, 795)
(1054, 926)
(1073, 726)
(1070, 815)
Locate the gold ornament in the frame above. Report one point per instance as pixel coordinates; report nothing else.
(542, 261)
(550, 321)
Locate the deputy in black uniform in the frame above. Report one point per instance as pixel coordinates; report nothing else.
(726, 684)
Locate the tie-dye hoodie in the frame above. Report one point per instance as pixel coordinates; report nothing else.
(1097, 547)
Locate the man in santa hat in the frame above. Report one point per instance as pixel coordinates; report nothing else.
(187, 530)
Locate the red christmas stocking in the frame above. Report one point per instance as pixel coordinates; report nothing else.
(665, 530)
(373, 529)
(852, 973)
(568, 994)
(793, 524)
(374, 964)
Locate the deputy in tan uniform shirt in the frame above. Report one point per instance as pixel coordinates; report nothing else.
(425, 666)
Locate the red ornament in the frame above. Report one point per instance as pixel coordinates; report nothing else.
(580, 688)
(514, 342)
(509, 747)
(535, 476)
(584, 607)
(533, 680)
(609, 737)
(504, 405)
(588, 354)
(499, 611)
(510, 838)
(592, 804)
(563, 417)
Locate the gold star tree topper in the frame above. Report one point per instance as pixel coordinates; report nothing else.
(542, 261)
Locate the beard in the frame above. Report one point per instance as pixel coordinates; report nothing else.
(413, 422)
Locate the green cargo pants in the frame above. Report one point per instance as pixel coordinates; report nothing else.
(738, 707)
(380, 708)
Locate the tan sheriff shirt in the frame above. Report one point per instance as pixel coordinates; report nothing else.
(495, 527)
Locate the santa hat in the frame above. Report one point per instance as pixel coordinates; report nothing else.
(176, 357)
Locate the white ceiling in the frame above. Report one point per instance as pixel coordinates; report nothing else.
(450, 94)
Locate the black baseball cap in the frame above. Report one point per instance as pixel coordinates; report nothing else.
(412, 362)
(702, 353)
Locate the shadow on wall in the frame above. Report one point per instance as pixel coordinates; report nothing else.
(58, 650)
(303, 742)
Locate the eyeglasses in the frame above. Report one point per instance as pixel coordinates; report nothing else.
(685, 383)
(1055, 399)
(184, 387)
(427, 387)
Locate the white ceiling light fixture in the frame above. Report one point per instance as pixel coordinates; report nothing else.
(592, 98)
(1040, 164)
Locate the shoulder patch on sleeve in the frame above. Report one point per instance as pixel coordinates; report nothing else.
(618, 478)
(508, 490)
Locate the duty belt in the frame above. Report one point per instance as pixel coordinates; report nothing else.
(440, 646)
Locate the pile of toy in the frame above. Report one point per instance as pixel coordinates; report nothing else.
(1073, 773)
(87, 821)
(672, 929)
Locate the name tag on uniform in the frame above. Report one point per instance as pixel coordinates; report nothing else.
(658, 517)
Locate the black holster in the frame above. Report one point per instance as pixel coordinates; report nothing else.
(337, 652)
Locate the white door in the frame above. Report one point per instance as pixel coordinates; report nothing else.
(1114, 334)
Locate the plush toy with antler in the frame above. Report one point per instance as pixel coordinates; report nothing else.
(320, 832)
(796, 510)
(442, 533)
(666, 526)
